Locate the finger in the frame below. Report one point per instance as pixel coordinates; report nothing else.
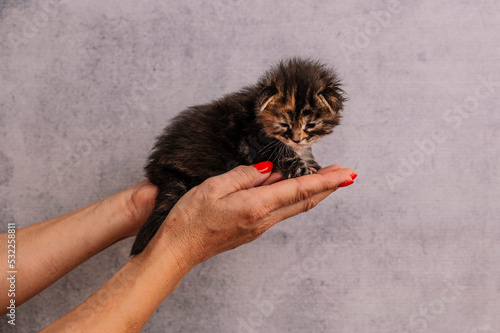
(329, 168)
(298, 189)
(290, 191)
(275, 177)
(297, 208)
(240, 178)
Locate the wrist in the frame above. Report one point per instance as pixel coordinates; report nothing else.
(127, 210)
(175, 245)
(117, 217)
(138, 202)
(127, 300)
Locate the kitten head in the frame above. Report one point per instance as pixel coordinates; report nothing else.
(300, 102)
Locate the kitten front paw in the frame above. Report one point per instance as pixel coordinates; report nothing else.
(301, 170)
(314, 165)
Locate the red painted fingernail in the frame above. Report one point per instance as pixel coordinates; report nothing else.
(353, 176)
(264, 167)
(346, 183)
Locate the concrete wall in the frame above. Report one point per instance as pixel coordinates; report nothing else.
(414, 245)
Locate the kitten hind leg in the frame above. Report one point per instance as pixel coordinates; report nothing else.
(165, 200)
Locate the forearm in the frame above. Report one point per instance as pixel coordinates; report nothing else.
(129, 298)
(48, 250)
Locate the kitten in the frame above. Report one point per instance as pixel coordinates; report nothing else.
(291, 107)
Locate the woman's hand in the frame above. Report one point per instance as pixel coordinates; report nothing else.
(237, 207)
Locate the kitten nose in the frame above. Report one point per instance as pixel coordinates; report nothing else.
(296, 141)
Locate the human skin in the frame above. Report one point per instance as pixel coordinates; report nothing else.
(220, 214)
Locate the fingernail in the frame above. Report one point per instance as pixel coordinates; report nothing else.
(353, 176)
(264, 167)
(347, 183)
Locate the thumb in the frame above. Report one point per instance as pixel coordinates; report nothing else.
(241, 178)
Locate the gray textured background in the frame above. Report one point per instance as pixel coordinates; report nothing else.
(413, 246)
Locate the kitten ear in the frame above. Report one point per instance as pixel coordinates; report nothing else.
(266, 96)
(333, 97)
(332, 102)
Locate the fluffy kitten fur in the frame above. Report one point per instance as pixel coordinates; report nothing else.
(292, 106)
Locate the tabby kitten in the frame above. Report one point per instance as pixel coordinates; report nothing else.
(291, 107)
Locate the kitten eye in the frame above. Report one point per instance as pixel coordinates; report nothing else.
(284, 125)
(310, 126)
